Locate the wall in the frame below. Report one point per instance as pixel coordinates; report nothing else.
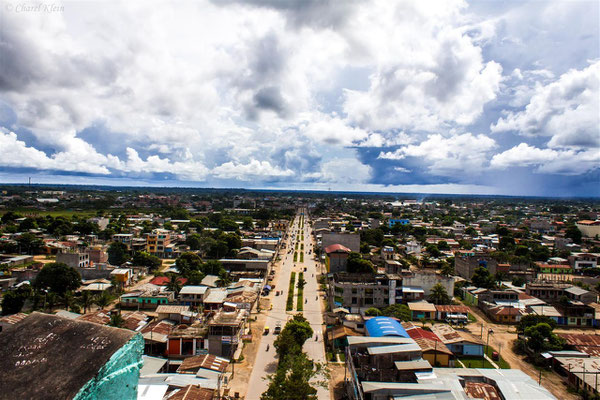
(118, 378)
(427, 281)
(350, 240)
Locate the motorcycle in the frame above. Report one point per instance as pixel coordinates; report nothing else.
(267, 347)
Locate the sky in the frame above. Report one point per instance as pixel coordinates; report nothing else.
(481, 97)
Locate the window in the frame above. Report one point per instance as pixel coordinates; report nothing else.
(354, 300)
(368, 300)
(354, 291)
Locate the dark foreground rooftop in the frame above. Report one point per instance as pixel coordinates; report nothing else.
(50, 357)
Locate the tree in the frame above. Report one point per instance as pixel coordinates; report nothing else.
(438, 295)
(118, 253)
(357, 264)
(247, 223)
(292, 336)
(147, 260)
(86, 300)
(373, 312)
(174, 284)
(194, 241)
(447, 269)
(12, 302)
(506, 242)
(470, 231)
(103, 300)
(433, 250)
(29, 243)
(573, 233)
(541, 338)
(58, 278)
(482, 278)
(293, 383)
(533, 319)
(518, 281)
(443, 245)
(399, 311)
(116, 320)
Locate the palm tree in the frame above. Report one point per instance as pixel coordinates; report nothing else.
(103, 300)
(51, 300)
(68, 299)
(439, 295)
(174, 284)
(86, 300)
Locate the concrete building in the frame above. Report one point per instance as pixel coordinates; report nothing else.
(349, 240)
(336, 258)
(589, 228)
(158, 243)
(74, 260)
(427, 280)
(358, 292)
(224, 332)
(70, 359)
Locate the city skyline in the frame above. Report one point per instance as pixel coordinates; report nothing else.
(430, 97)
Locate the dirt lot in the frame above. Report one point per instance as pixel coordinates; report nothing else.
(502, 340)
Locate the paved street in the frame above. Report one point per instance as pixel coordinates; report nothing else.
(266, 361)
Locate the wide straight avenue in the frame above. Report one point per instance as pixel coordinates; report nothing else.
(266, 360)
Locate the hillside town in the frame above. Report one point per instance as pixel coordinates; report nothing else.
(160, 294)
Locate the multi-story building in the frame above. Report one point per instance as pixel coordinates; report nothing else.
(224, 332)
(584, 260)
(74, 259)
(361, 291)
(158, 243)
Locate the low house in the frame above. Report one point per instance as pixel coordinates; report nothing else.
(156, 336)
(192, 296)
(412, 294)
(70, 359)
(205, 366)
(187, 340)
(452, 313)
(459, 342)
(147, 297)
(179, 314)
(422, 310)
(376, 358)
(122, 276)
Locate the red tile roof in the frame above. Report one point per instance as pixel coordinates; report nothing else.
(164, 280)
(420, 333)
(337, 248)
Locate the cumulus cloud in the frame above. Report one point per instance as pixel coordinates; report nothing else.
(429, 72)
(280, 91)
(253, 170)
(466, 153)
(565, 162)
(566, 110)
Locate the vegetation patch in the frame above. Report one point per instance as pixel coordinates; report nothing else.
(289, 306)
(300, 294)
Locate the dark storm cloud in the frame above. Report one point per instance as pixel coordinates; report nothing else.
(268, 98)
(264, 79)
(24, 63)
(313, 13)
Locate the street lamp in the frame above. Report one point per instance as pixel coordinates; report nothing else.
(490, 331)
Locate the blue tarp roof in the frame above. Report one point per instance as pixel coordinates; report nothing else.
(385, 326)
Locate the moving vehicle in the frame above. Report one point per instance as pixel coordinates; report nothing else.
(266, 331)
(277, 330)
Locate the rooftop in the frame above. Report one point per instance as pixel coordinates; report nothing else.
(62, 354)
(384, 326)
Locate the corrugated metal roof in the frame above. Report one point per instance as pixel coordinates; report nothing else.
(385, 326)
